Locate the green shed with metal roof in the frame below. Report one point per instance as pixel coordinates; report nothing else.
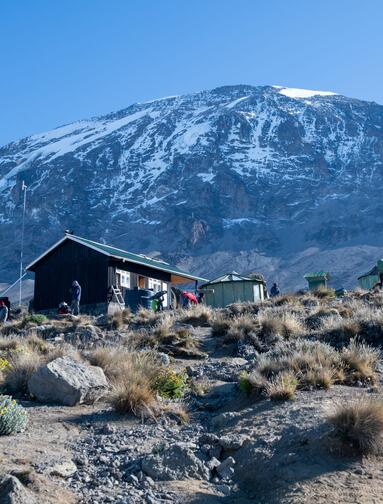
(233, 287)
(317, 279)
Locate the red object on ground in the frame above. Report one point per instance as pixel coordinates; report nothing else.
(191, 297)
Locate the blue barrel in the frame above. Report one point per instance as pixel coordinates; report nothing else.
(134, 298)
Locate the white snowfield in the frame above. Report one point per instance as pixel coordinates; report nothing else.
(302, 93)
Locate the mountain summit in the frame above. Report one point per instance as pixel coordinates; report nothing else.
(245, 178)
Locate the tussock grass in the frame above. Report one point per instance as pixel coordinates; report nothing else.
(359, 425)
(220, 325)
(241, 327)
(252, 383)
(120, 318)
(324, 293)
(21, 367)
(198, 315)
(360, 361)
(282, 387)
(133, 395)
(144, 316)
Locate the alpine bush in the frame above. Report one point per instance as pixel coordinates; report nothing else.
(13, 417)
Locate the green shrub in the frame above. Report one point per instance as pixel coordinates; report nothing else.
(13, 417)
(170, 384)
(36, 319)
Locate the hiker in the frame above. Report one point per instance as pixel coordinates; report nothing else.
(3, 312)
(76, 297)
(274, 290)
(63, 308)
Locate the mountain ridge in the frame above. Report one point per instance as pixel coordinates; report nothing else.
(208, 179)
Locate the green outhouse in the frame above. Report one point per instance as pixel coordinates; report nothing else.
(369, 279)
(317, 279)
(232, 288)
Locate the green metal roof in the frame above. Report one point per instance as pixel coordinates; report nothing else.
(317, 274)
(235, 277)
(123, 254)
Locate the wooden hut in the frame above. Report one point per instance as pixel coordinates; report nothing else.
(317, 279)
(106, 274)
(232, 288)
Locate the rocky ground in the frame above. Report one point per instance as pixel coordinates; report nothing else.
(235, 447)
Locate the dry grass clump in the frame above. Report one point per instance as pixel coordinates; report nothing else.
(252, 383)
(286, 326)
(317, 319)
(340, 331)
(320, 377)
(144, 316)
(136, 378)
(132, 394)
(286, 299)
(197, 315)
(360, 362)
(314, 364)
(162, 328)
(120, 318)
(282, 387)
(21, 367)
(324, 293)
(241, 327)
(359, 425)
(220, 325)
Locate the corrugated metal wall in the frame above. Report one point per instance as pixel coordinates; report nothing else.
(226, 293)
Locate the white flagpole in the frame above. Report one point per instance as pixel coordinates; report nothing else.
(24, 189)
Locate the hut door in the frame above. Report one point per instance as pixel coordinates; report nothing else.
(141, 282)
(257, 293)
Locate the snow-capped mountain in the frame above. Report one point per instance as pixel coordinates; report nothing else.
(265, 178)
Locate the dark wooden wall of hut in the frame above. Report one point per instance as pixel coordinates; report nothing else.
(70, 261)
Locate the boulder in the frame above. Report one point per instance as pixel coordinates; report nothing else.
(13, 492)
(226, 469)
(68, 382)
(64, 469)
(85, 336)
(175, 463)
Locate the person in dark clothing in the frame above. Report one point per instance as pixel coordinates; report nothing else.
(3, 312)
(200, 297)
(275, 290)
(75, 292)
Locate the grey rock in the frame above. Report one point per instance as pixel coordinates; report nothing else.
(232, 442)
(68, 382)
(64, 469)
(174, 463)
(225, 489)
(13, 492)
(213, 463)
(226, 469)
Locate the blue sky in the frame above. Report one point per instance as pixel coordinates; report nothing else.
(63, 60)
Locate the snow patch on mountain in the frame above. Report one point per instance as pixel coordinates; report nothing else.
(302, 93)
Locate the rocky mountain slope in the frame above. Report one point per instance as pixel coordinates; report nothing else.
(261, 178)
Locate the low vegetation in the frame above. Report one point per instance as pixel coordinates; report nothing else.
(359, 425)
(13, 417)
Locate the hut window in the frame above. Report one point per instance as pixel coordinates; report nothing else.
(155, 284)
(123, 278)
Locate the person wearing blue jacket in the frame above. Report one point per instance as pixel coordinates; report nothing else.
(76, 297)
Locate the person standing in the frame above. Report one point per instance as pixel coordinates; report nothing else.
(3, 312)
(275, 290)
(76, 297)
